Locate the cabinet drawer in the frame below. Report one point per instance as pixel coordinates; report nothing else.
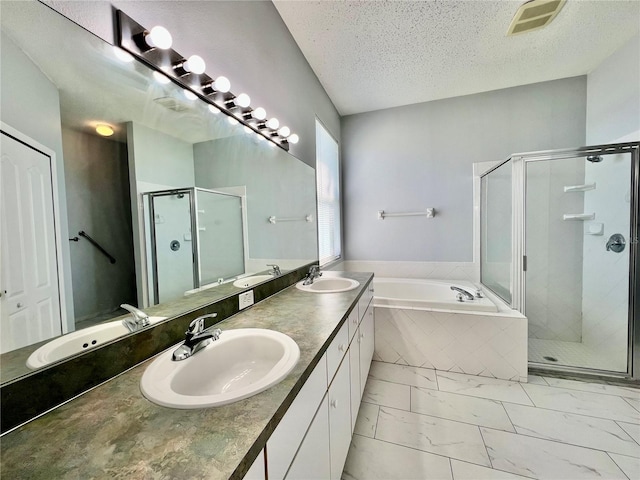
(285, 440)
(337, 350)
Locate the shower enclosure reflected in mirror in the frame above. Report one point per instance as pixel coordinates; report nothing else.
(59, 82)
(195, 240)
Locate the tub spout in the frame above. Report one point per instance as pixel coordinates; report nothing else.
(462, 291)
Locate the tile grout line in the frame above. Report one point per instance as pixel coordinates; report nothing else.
(629, 403)
(618, 422)
(616, 464)
(375, 428)
(570, 413)
(515, 430)
(451, 469)
(425, 451)
(561, 442)
(486, 449)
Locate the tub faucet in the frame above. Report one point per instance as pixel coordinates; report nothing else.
(462, 291)
(314, 272)
(137, 320)
(276, 270)
(196, 338)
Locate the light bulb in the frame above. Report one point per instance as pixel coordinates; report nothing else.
(284, 132)
(273, 123)
(222, 84)
(194, 64)
(122, 55)
(259, 113)
(160, 78)
(243, 100)
(232, 121)
(159, 37)
(213, 110)
(293, 138)
(104, 130)
(189, 94)
(247, 129)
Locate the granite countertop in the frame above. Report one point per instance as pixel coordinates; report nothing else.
(112, 431)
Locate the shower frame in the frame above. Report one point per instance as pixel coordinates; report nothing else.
(518, 249)
(193, 206)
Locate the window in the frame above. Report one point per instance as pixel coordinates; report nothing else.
(328, 188)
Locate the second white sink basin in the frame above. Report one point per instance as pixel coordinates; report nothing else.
(80, 341)
(247, 282)
(329, 285)
(241, 363)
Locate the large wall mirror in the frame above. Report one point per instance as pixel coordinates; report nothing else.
(181, 202)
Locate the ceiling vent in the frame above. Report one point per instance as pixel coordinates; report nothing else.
(534, 15)
(172, 104)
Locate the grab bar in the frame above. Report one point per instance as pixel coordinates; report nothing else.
(82, 233)
(429, 213)
(306, 218)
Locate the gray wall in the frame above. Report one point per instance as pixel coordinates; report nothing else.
(418, 156)
(30, 104)
(246, 41)
(97, 181)
(157, 161)
(613, 97)
(276, 184)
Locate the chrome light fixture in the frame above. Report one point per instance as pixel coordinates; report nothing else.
(153, 48)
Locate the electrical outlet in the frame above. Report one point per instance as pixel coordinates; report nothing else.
(245, 299)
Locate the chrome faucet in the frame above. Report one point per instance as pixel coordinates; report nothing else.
(137, 320)
(314, 272)
(463, 292)
(276, 270)
(196, 338)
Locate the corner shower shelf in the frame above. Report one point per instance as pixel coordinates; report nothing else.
(579, 216)
(580, 188)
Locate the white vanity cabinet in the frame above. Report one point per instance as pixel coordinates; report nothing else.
(312, 461)
(340, 418)
(366, 338)
(312, 440)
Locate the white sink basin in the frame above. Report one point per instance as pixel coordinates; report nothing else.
(239, 364)
(79, 341)
(329, 285)
(251, 281)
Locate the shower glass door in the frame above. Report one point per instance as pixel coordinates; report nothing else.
(577, 244)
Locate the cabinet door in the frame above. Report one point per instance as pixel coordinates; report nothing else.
(285, 440)
(340, 419)
(366, 345)
(313, 458)
(337, 350)
(354, 367)
(353, 322)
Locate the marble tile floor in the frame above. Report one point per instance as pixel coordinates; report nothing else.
(417, 423)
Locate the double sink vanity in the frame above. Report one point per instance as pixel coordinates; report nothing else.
(273, 417)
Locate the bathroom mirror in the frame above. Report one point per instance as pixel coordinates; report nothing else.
(59, 83)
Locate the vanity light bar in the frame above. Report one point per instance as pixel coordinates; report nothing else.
(189, 73)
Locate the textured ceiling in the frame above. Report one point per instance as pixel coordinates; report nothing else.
(371, 55)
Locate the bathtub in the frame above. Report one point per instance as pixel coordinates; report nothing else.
(428, 294)
(420, 323)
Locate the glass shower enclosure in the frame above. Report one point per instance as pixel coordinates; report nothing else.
(559, 242)
(195, 237)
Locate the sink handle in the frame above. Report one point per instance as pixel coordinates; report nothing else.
(197, 325)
